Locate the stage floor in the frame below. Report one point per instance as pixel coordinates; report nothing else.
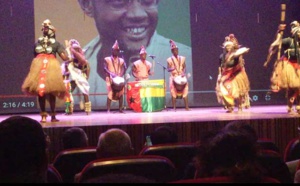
(129, 117)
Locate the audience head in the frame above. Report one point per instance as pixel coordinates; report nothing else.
(23, 146)
(234, 154)
(164, 134)
(243, 127)
(74, 137)
(113, 143)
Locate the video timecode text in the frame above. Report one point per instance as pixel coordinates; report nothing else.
(8, 105)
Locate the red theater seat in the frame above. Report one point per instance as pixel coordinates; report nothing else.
(156, 168)
(221, 179)
(71, 161)
(53, 176)
(181, 154)
(292, 150)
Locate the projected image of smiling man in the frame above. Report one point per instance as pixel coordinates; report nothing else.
(133, 23)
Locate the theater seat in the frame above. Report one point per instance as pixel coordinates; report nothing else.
(71, 161)
(181, 154)
(156, 168)
(267, 144)
(53, 176)
(221, 179)
(292, 150)
(276, 168)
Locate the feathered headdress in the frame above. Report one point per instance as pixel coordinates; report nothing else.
(231, 40)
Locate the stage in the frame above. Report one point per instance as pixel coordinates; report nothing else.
(271, 122)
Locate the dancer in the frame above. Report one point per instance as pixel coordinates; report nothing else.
(45, 79)
(76, 73)
(178, 83)
(286, 72)
(141, 69)
(115, 68)
(233, 84)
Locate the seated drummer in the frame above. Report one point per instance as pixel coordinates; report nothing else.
(141, 68)
(115, 68)
(177, 68)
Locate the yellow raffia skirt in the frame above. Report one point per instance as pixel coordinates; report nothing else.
(286, 74)
(233, 84)
(53, 77)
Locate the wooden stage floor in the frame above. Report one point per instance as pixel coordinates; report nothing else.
(101, 118)
(270, 121)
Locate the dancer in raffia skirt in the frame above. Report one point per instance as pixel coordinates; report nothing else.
(45, 79)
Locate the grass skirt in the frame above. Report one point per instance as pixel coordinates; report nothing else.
(53, 80)
(286, 75)
(233, 84)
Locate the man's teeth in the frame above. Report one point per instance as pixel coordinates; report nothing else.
(136, 30)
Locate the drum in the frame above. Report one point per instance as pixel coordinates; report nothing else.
(180, 82)
(117, 83)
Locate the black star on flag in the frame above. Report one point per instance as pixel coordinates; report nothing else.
(131, 100)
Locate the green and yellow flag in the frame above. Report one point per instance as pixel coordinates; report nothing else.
(146, 96)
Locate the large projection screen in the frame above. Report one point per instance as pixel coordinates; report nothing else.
(200, 25)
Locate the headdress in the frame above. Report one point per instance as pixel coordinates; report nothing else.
(294, 24)
(143, 50)
(116, 46)
(47, 23)
(231, 40)
(295, 27)
(173, 44)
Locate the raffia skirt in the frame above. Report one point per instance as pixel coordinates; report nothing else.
(233, 84)
(286, 74)
(53, 78)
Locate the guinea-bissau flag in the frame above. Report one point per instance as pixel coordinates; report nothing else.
(146, 96)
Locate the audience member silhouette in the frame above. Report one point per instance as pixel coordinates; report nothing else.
(74, 137)
(247, 129)
(233, 154)
(113, 143)
(273, 166)
(243, 127)
(164, 134)
(196, 163)
(23, 151)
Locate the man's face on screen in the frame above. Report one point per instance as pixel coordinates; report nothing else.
(131, 22)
